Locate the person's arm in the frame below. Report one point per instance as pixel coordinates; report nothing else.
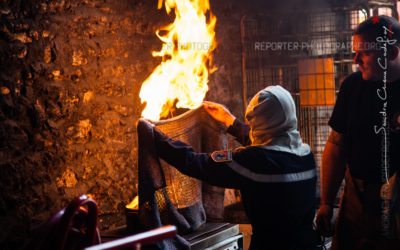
(241, 131)
(235, 127)
(332, 174)
(198, 165)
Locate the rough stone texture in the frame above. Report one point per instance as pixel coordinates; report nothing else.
(226, 84)
(70, 76)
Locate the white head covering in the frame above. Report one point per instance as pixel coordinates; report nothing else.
(271, 115)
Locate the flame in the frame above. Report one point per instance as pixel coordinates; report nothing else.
(134, 205)
(182, 76)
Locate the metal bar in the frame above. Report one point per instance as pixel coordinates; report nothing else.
(243, 62)
(145, 238)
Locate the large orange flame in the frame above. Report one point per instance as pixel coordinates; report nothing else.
(182, 76)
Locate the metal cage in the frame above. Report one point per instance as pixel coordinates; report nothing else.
(270, 57)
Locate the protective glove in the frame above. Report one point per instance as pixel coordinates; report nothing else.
(219, 112)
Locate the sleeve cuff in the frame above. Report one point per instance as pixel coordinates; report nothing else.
(234, 127)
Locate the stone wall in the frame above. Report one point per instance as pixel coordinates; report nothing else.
(70, 76)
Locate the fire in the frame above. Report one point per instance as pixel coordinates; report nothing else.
(182, 76)
(134, 205)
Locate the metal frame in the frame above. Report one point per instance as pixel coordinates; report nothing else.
(324, 26)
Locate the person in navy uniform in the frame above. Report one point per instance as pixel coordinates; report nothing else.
(275, 172)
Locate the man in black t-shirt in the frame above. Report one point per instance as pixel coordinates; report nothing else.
(364, 145)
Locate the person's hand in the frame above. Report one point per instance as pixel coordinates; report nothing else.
(219, 112)
(323, 220)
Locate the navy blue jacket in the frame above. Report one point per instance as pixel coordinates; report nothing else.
(281, 214)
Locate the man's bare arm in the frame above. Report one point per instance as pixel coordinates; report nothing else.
(333, 167)
(332, 173)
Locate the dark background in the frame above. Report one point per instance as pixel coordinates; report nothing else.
(70, 76)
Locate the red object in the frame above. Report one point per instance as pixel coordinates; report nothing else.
(375, 19)
(73, 227)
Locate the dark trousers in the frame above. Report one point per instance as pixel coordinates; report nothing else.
(303, 240)
(359, 223)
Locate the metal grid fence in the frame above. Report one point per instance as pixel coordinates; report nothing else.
(269, 60)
